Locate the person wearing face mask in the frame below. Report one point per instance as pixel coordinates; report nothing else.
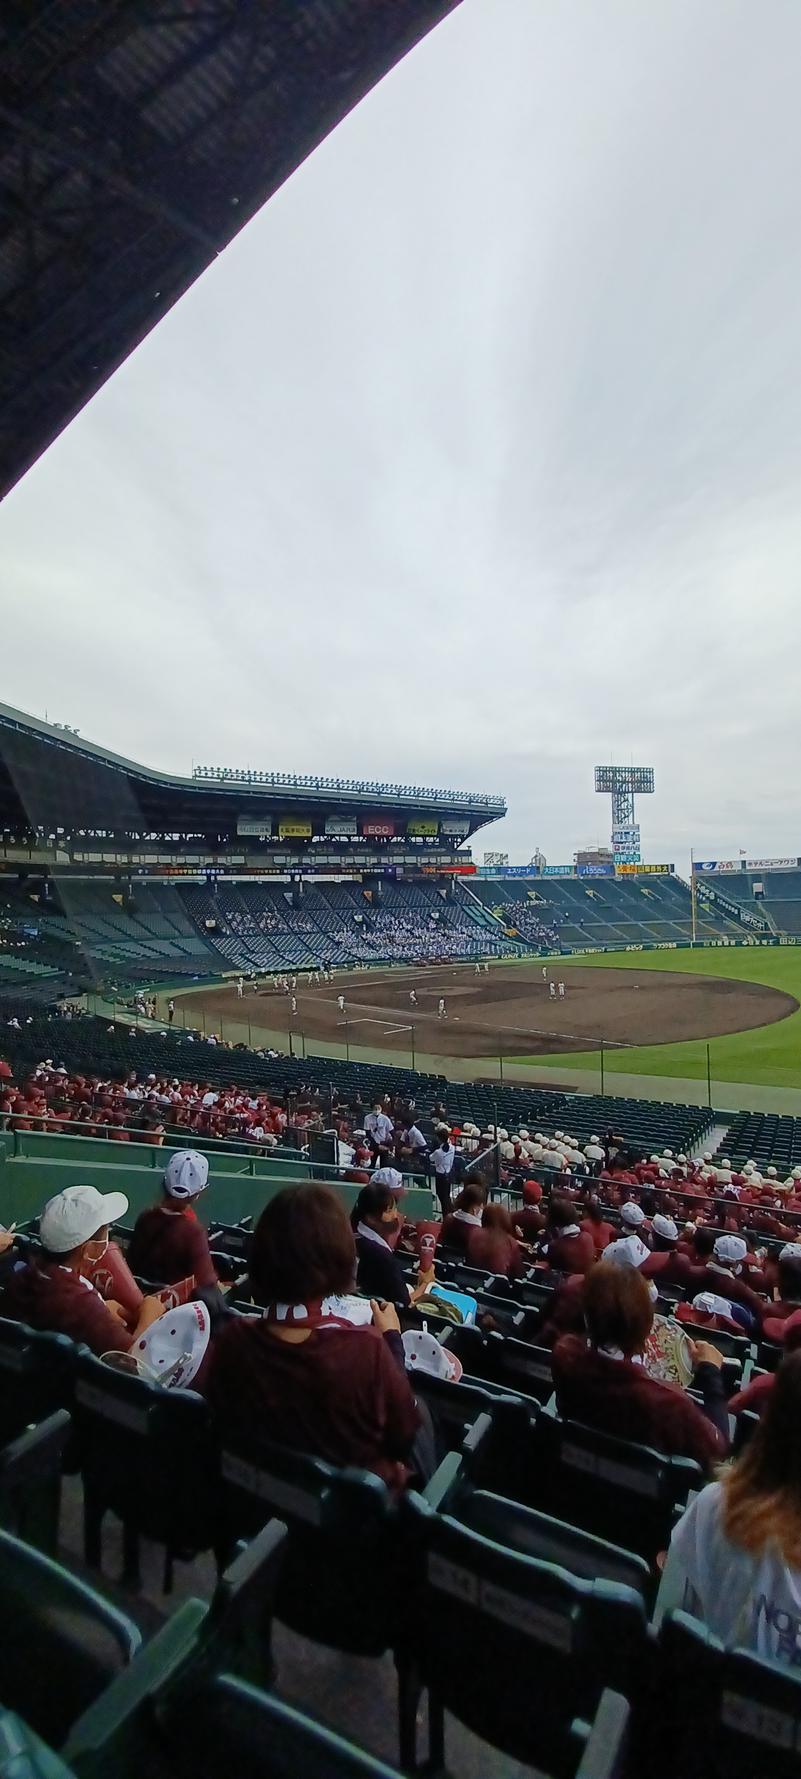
(50, 1292)
(379, 1274)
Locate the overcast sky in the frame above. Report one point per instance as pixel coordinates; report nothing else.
(476, 459)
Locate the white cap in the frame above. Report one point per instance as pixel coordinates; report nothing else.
(668, 1153)
(665, 1227)
(387, 1176)
(76, 1214)
(523, 1135)
(772, 1173)
(186, 1174)
(731, 1248)
(791, 1251)
(629, 1251)
(171, 1350)
(711, 1305)
(422, 1352)
(632, 1214)
(682, 1158)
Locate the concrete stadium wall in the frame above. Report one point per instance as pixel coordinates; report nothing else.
(34, 1166)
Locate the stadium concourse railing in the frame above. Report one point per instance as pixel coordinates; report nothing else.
(35, 1164)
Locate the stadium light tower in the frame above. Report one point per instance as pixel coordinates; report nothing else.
(622, 783)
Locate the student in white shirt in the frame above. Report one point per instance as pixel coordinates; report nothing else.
(442, 1159)
(736, 1553)
(378, 1127)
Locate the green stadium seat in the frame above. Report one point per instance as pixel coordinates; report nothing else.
(36, 1375)
(30, 1481)
(534, 1534)
(716, 1713)
(231, 1727)
(63, 1643)
(519, 1650)
(23, 1754)
(343, 1581)
(148, 1455)
(588, 1478)
(119, 1732)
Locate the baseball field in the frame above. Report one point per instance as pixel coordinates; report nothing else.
(732, 1014)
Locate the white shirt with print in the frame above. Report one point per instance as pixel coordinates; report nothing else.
(751, 1601)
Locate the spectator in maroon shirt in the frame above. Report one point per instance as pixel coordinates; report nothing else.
(722, 1274)
(595, 1225)
(567, 1247)
(664, 1264)
(302, 1375)
(600, 1380)
(756, 1393)
(465, 1216)
(530, 1219)
(49, 1292)
(495, 1245)
(169, 1243)
(789, 1286)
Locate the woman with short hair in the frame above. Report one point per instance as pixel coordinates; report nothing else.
(600, 1378)
(302, 1374)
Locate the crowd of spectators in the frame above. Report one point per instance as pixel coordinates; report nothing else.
(52, 1099)
(607, 1227)
(422, 936)
(533, 923)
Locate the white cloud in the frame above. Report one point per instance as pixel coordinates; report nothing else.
(476, 458)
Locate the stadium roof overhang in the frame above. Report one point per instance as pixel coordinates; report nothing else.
(51, 778)
(137, 137)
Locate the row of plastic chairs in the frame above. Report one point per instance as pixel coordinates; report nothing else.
(354, 1559)
(553, 1668)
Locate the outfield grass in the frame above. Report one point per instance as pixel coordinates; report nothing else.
(770, 1054)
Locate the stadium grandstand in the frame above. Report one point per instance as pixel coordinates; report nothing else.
(765, 896)
(577, 912)
(110, 871)
(332, 1390)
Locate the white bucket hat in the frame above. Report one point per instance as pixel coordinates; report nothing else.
(172, 1349)
(423, 1352)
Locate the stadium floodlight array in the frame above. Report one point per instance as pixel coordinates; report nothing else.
(307, 781)
(622, 783)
